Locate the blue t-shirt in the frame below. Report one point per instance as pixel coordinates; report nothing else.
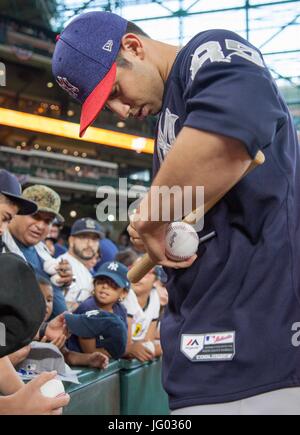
(90, 304)
(31, 255)
(230, 328)
(59, 250)
(108, 253)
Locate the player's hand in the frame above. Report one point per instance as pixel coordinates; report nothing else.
(135, 239)
(153, 237)
(30, 401)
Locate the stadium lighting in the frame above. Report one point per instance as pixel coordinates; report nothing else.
(43, 124)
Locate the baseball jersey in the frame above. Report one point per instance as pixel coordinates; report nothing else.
(142, 317)
(82, 288)
(231, 328)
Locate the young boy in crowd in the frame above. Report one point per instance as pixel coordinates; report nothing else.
(94, 359)
(111, 287)
(143, 345)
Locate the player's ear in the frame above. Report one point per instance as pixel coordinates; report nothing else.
(131, 43)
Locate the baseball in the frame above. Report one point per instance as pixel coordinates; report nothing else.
(55, 279)
(181, 241)
(150, 346)
(50, 266)
(53, 388)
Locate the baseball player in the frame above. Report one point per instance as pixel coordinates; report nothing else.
(230, 332)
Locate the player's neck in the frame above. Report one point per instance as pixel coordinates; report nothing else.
(164, 57)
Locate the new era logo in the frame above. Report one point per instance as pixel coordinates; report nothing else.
(67, 86)
(108, 46)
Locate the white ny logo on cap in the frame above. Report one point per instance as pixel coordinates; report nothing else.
(113, 266)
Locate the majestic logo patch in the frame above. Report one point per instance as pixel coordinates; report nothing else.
(208, 347)
(67, 86)
(108, 46)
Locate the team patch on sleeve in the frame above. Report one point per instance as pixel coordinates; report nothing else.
(217, 346)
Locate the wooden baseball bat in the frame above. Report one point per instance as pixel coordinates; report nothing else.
(142, 267)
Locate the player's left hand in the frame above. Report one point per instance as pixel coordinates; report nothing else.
(154, 242)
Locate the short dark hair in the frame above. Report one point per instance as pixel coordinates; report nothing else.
(43, 281)
(131, 28)
(127, 257)
(5, 200)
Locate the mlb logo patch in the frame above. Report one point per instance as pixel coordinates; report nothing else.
(212, 347)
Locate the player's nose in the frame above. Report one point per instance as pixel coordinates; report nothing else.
(119, 108)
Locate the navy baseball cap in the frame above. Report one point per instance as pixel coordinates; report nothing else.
(115, 271)
(84, 60)
(87, 226)
(11, 188)
(107, 327)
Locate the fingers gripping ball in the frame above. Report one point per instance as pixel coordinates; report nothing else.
(182, 241)
(53, 388)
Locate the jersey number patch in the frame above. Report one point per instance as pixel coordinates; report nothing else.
(213, 52)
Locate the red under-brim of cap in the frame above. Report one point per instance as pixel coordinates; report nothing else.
(96, 100)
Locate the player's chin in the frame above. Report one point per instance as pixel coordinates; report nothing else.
(179, 264)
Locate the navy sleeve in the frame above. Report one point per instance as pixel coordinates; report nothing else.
(85, 306)
(229, 90)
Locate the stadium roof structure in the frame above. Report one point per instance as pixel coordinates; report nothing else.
(272, 26)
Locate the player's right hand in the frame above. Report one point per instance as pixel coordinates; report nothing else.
(136, 239)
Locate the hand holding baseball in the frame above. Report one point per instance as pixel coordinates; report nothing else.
(155, 243)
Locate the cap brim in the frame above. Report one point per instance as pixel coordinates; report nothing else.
(116, 278)
(96, 100)
(51, 212)
(26, 207)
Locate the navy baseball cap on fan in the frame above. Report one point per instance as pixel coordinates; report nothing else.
(87, 226)
(108, 328)
(11, 188)
(115, 271)
(84, 60)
